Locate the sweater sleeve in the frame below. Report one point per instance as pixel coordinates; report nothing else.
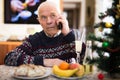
(22, 55)
(69, 37)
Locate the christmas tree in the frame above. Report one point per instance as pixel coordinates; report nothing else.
(108, 52)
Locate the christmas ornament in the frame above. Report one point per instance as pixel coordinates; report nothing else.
(100, 76)
(108, 25)
(105, 44)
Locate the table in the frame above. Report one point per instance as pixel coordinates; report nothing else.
(6, 73)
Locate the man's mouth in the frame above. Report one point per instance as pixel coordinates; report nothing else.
(51, 28)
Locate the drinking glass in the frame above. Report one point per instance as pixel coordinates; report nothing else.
(78, 48)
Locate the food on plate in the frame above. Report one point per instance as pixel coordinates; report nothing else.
(21, 70)
(30, 70)
(81, 71)
(64, 65)
(74, 65)
(63, 73)
(69, 70)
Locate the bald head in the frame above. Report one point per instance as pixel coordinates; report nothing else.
(50, 5)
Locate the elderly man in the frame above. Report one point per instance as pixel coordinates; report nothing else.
(50, 46)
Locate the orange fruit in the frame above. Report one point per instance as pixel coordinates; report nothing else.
(64, 65)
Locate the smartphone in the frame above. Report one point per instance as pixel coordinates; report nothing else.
(60, 25)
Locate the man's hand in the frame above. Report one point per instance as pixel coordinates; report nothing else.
(51, 62)
(65, 27)
(16, 5)
(31, 2)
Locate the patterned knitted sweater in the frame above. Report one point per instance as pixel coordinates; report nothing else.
(39, 46)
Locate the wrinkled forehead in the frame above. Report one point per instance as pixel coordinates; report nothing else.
(48, 7)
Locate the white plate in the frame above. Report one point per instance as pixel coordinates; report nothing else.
(48, 72)
(69, 78)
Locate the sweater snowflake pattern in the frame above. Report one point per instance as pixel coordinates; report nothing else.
(39, 46)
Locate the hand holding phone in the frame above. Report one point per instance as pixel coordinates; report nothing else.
(60, 25)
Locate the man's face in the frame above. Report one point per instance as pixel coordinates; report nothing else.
(47, 18)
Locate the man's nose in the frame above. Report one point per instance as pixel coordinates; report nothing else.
(49, 20)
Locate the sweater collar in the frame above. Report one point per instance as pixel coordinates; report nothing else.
(57, 34)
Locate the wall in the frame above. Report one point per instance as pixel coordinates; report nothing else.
(16, 30)
(23, 30)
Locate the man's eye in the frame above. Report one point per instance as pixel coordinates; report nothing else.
(53, 16)
(43, 17)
